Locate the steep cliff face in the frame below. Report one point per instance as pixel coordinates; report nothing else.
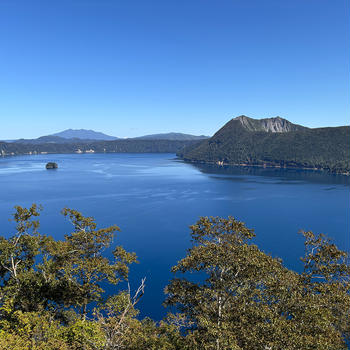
(276, 124)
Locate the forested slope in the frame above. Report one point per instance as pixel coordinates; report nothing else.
(235, 143)
(117, 146)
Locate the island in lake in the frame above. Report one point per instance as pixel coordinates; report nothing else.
(51, 165)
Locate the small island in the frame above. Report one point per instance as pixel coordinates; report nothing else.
(51, 165)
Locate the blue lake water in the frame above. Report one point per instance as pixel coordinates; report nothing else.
(153, 198)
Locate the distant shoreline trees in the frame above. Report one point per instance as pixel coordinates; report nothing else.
(51, 296)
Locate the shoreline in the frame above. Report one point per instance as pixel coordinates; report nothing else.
(247, 165)
(215, 163)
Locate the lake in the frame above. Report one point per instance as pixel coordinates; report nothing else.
(153, 198)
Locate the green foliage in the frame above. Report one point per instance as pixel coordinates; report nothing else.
(32, 330)
(19, 280)
(79, 264)
(47, 286)
(240, 298)
(321, 148)
(39, 273)
(248, 300)
(84, 335)
(117, 146)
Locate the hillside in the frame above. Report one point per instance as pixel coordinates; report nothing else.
(172, 136)
(51, 139)
(117, 146)
(274, 142)
(89, 136)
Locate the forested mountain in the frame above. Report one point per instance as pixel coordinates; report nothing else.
(117, 146)
(89, 136)
(69, 136)
(274, 142)
(51, 139)
(172, 136)
(84, 135)
(242, 141)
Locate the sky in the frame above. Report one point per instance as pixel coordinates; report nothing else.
(134, 67)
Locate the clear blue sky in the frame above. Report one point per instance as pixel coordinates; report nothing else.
(134, 67)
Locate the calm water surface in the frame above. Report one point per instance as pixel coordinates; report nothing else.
(153, 198)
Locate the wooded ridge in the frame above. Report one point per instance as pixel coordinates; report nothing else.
(117, 146)
(274, 142)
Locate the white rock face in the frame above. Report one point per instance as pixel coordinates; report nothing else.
(268, 124)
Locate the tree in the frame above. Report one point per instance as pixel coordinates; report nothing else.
(38, 272)
(117, 317)
(79, 262)
(245, 299)
(239, 298)
(325, 292)
(20, 283)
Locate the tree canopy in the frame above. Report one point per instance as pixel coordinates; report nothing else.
(229, 293)
(247, 299)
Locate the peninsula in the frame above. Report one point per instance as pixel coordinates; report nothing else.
(274, 142)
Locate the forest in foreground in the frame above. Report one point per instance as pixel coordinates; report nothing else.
(52, 295)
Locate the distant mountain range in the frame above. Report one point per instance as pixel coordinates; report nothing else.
(172, 136)
(84, 134)
(52, 139)
(242, 141)
(274, 142)
(88, 136)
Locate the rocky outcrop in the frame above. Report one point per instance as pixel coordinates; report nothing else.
(51, 165)
(276, 124)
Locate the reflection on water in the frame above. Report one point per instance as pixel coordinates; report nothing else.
(237, 173)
